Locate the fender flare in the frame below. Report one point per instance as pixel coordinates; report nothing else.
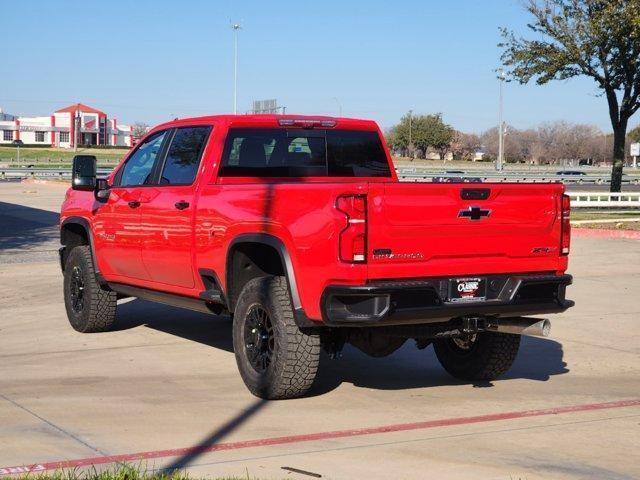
(84, 223)
(276, 243)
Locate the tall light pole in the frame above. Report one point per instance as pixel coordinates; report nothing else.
(500, 159)
(339, 105)
(410, 132)
(235, 27)
(76, 128)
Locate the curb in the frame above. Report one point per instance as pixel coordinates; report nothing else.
(35, 181)
(605, 233)
(194, 451)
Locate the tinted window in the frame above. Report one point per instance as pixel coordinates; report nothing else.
(275, 152)
(183, 157)
(356, 154)
(139, 166)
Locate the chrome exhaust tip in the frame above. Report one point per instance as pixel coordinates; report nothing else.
(534, 327)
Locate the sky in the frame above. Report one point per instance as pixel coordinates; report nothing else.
(151, 61)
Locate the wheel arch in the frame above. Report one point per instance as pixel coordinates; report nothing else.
(256, 243)
(75, 231)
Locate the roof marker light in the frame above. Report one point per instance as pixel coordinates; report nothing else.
(306, 123)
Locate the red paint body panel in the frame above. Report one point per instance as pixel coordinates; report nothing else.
(159, 247)
(422, 226)
(117, 234)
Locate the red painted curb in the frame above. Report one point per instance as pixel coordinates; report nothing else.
(310, 437)
(605, 233)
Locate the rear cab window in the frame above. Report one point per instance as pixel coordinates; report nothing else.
(297, 152)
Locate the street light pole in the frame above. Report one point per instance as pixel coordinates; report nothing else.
(410, 128)
(76, 128)
(500, 159)
(339, 106)
(235, 27)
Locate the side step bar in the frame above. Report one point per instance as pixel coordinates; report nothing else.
(199, 305)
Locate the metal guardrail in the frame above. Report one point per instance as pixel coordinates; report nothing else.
(47, 173)
(578, 199)
(414, 175)
(604, 200)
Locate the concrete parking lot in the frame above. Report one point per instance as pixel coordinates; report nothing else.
(166, 381)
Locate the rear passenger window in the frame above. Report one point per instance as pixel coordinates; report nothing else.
(183, 157)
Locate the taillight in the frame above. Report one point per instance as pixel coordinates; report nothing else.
(565, 226)
(353, 239)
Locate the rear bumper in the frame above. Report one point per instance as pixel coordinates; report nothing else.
(426, 300)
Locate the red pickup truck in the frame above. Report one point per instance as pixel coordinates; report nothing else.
(298, 227)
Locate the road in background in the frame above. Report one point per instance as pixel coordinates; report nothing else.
(166, 378)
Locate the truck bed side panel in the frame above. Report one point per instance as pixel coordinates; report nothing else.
(301, 215)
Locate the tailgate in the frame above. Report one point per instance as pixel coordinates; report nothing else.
(419, 230)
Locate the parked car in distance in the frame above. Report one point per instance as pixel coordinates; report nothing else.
(570, 172)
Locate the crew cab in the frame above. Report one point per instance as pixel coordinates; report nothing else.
(298, 227)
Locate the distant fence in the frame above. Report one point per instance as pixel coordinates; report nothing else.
(604, 200)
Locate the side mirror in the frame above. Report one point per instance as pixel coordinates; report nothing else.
(102, 191)
(83, 173)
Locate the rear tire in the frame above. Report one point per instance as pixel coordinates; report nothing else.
(90, 308)
(275, 358)
(486, 355)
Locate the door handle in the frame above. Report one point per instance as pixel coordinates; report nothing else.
(181, 205)
(134, 204)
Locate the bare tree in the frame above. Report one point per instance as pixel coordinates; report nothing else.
(594, 38)
(553, 143)
(465, 145)
(139, 129)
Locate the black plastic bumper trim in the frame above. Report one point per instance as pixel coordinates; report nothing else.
(424, 301)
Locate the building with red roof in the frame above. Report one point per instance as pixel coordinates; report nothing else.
(76, 124)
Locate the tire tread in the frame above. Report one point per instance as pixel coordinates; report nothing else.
(494, 357)
(295, 368)
(100, 311)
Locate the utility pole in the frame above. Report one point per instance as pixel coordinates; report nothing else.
(500, 159)
(410, 128)
(339, 106)
(235, 27)
(76, 128)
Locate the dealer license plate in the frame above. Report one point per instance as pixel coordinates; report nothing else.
(467, 289)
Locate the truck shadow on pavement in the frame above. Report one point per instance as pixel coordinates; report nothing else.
(27, 227)
(407, 368)
(214, 331)
(410, 368)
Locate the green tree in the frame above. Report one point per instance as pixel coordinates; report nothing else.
(596, 38)
(421, 132)
(634, 135)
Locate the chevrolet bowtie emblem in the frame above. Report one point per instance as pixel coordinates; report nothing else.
(473, 213)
